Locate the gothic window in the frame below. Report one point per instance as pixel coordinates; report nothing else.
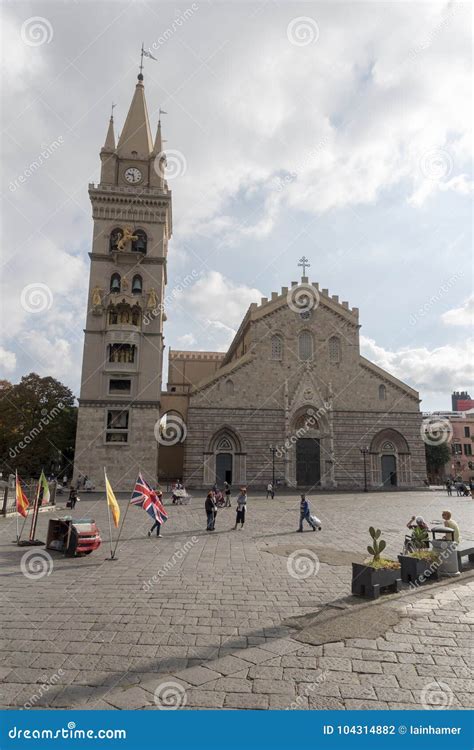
(137, 285)
(139, 245)
(387, 447)
(113, 316)
(306, 421)
(122, 353)
(334, 350)
(115, 236)
(224, 444)
(229, 387)
(305, 345)
(117, 426)
(115, 283)
(277, 346)
(382, 393)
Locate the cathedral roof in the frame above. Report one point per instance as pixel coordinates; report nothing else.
(136, 133)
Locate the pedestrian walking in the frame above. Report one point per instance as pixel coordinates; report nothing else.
(72, 498)
(228, 504)
(158, 518)
(449, 487)
(211, 511)
(305, 515)
(241, 508)
(157, 526)
(270, 491)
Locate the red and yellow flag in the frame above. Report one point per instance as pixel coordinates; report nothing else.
(22, 503)
(112, 502)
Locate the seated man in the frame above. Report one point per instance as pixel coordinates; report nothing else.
(450, 523)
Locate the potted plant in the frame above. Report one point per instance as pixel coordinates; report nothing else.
(370, 578)
(421, 564)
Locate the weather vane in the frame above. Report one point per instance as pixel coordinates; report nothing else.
(113, 107)
(304, 262)
(145, 53)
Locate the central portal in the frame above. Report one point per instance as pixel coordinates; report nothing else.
(308, 464)
(223, 468)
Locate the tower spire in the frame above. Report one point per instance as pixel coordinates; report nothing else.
(109, 144)
(135, 138)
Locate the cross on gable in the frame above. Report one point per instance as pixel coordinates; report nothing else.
(304, 262)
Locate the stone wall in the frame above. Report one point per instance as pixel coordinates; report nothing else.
(122, 461)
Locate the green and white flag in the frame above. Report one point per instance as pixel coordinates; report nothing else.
(44, 494)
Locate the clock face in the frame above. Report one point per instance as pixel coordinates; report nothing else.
(133, 175)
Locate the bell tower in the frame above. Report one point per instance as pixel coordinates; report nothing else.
(119, 403)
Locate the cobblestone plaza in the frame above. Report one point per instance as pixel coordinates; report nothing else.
(200, 620)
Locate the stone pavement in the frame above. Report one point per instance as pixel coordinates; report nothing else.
(197, 619)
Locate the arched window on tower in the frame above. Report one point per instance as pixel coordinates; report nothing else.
(382, 393)
(305, 346)
(277, 346)
(137, 285)
(334, 350)
(139, 245)
(115, 283)
(115, 235)
(229, 387)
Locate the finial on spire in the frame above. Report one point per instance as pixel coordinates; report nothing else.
(112, 111)
(140, 75)
(304, 262)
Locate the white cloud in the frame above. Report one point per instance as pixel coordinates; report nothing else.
(460, 316)
(434, 371)
(7, 361)
(216, 299)
(187, 339)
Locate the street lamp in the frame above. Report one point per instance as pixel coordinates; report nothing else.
(273, 451)
(365, 452)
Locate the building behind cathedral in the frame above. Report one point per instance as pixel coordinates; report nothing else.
(292, 399)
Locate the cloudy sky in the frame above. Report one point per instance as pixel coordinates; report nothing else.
(336, 130)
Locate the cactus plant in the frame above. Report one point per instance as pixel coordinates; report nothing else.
(377, 546)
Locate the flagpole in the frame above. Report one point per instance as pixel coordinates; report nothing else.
(120, 529)
(35, 513)
(108, 513)
(16, 505)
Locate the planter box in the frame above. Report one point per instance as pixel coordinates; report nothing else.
(369, 582)
(417, 571)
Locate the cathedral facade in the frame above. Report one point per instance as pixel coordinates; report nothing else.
(292, 401)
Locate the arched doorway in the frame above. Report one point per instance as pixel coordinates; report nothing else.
(308, 462)
(307, 453)
(390, 460)
(389, 470)
(224, 461)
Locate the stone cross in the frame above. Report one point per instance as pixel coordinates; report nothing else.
(305, 263)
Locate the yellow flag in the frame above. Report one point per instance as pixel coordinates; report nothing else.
(112, 502)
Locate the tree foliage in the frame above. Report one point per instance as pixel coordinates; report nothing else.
(437, 456)
(37, 427)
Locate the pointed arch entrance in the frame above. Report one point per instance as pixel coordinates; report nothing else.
(224, 461)
(390, 460)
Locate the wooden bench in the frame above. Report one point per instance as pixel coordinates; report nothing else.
(465, 550)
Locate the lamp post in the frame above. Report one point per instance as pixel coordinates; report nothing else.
(273, 451)
(365, 452)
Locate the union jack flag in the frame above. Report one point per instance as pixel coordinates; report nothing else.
(145, 497)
